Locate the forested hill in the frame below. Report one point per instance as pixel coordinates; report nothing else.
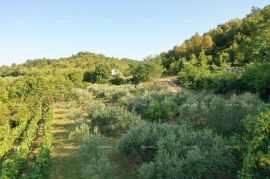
(234, 57)
(81, 62)
(234, 43)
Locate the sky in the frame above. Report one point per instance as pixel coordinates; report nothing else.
(32, 29)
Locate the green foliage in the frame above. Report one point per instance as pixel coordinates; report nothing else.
(3, 90)
(141, 141)
(234, 57)
(117, 80)
(101, 75)
(41, 166)
(13, 165)
(158, 112)
(191, 110)
(193, 77)
(16, 117)
(153, 104)
(98, 165)
(255, 146)
(113, 120)
(39, 89)
(89, 76)
(224, 116)
(4, 114)
(76, 77)
(236, 43)
(257, 77)
(222, 82)
(146, 71)
(175, 151)
(110, 92)
(82, 61)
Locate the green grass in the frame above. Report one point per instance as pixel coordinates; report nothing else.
(68, 161)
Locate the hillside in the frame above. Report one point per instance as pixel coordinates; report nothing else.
(200, 110)
(234, 57)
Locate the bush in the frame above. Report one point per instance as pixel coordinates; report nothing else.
(141, 141)
(146, 71)
(158, 112)
(175, 151)
(224, 116)
(146, 102)
(76, 77)
(98, 164)
(194, 77)
(224, 82)
(190, 110)
(255, 146)
(117, 81)
(89, 76)
(113, 120)
(257, 77)
(101, 75)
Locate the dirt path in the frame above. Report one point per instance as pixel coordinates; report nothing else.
(170, 83)
(64, 156)
(172, 86)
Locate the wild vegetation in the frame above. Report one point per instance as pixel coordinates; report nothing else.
(226, 59)
(121, 123)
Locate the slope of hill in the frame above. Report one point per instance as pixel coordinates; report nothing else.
(235, 56)
(131, 123)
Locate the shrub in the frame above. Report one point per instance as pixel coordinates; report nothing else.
(76, 77)
(117, 80)
(224, 82)
(102, 74)
(257, 76)
(147, 101)
(141, 141)
(158, 112)
(113, 120)
(146, 71)
(175, 151)
(194, 77)
(98, 164)
(89, 76)
(224, 116)
(255, 146)
(189, 109)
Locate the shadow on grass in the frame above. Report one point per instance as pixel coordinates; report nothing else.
(68, 166)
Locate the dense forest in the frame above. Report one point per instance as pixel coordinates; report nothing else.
(200, 110)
